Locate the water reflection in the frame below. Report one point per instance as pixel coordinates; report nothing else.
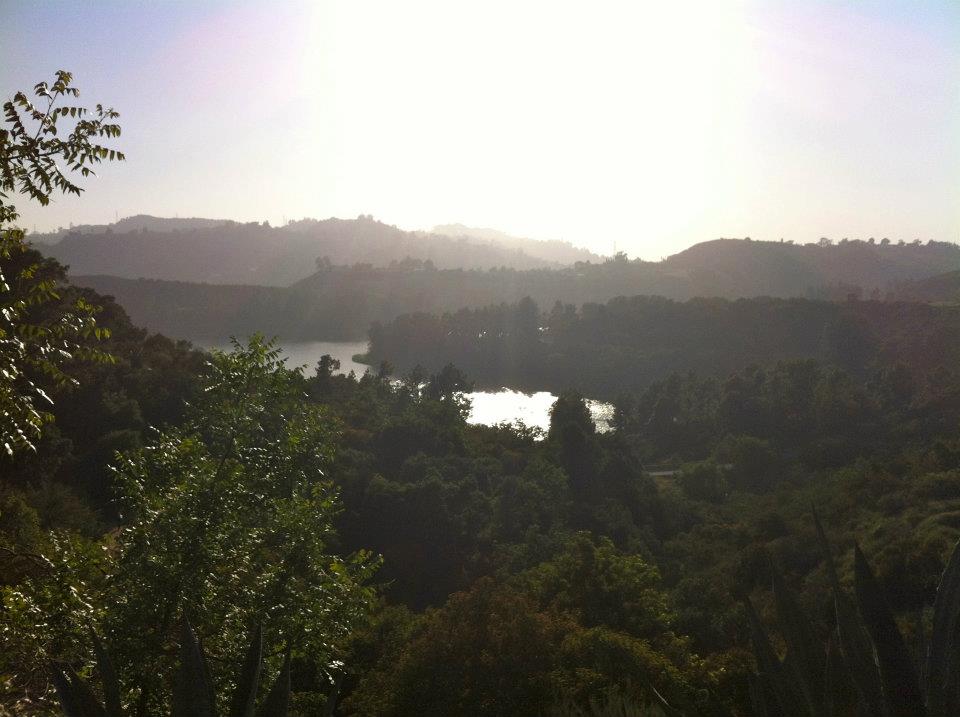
(532, 409)
(487, 407)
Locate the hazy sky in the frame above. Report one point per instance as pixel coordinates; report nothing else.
(650, 124)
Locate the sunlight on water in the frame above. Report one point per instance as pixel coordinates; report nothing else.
(487, 407)
(508, 406)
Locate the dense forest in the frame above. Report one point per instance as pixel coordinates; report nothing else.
(591, 564)
(341, 302)
(770, 528)
(942, 288)
(227, 252)
(626, 344)
(254, 253)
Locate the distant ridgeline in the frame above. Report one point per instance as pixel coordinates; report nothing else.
(340, 302)
(625, 345)
(226, 252)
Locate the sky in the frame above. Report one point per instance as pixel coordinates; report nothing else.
(643, 127)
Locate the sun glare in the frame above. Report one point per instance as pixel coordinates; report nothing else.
(535, 117)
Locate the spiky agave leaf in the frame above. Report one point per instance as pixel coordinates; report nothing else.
(330, 704)
(245, 695)
(108, 677)
(941, 663)
(855, 644)
(839, 697)
(192, 691)
(68, 700)
(807, 657)
(278, 699)
(77, 699)
(759, 696)
(771, 670)
(901, 690)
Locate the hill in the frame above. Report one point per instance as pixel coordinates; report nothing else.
(252, 253)
(225, 252)
(199, 312)
(340, 302)
(138, 222)
(552, 250)
(943, 288)
(741, 267)
(626, 344)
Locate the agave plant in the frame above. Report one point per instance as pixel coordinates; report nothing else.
(865, 667)
(612, 705)
(193, 693)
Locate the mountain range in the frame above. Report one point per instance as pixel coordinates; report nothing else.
(212, 282)
(226, 252)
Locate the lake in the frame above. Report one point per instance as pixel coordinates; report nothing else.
(487, 407)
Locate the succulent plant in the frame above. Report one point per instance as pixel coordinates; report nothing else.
(865, 667)
(193, 692)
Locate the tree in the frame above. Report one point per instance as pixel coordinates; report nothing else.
(487, 651)
(228, 519)
(30, 147)
(31, 150)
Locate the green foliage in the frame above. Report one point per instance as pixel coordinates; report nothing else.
(703, 480)
(106, 407)
(631, 342)
(30, 147)
(600, 585)
(46, 614)
(465, 659)
(228, 519)
(344, 297)
(624, 580)
(193, 693)
(34, 350)
(612, 705)
(869, 667)
(587, 622)
(35, 138)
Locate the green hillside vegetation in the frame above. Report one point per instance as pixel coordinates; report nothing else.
(136, 223)
(626, 344)
(554, 250)
(179, 527)
(255, 253)
(825, 269)
(562, 556)
(341, 302)
(942, 288)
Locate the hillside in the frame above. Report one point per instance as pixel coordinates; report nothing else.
(196, 311)
(340, 302)
(943, 288)
(553, 250)
(734, 267)
(136, 223)
(252, 253)
(628, 343)
(218, 252)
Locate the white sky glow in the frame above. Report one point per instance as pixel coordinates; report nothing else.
(649, 125)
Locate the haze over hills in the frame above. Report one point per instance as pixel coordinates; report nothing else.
(226, 252)
(939, 289)
(340, 302)
(555, 250)
(734, 267)
(138, 222)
